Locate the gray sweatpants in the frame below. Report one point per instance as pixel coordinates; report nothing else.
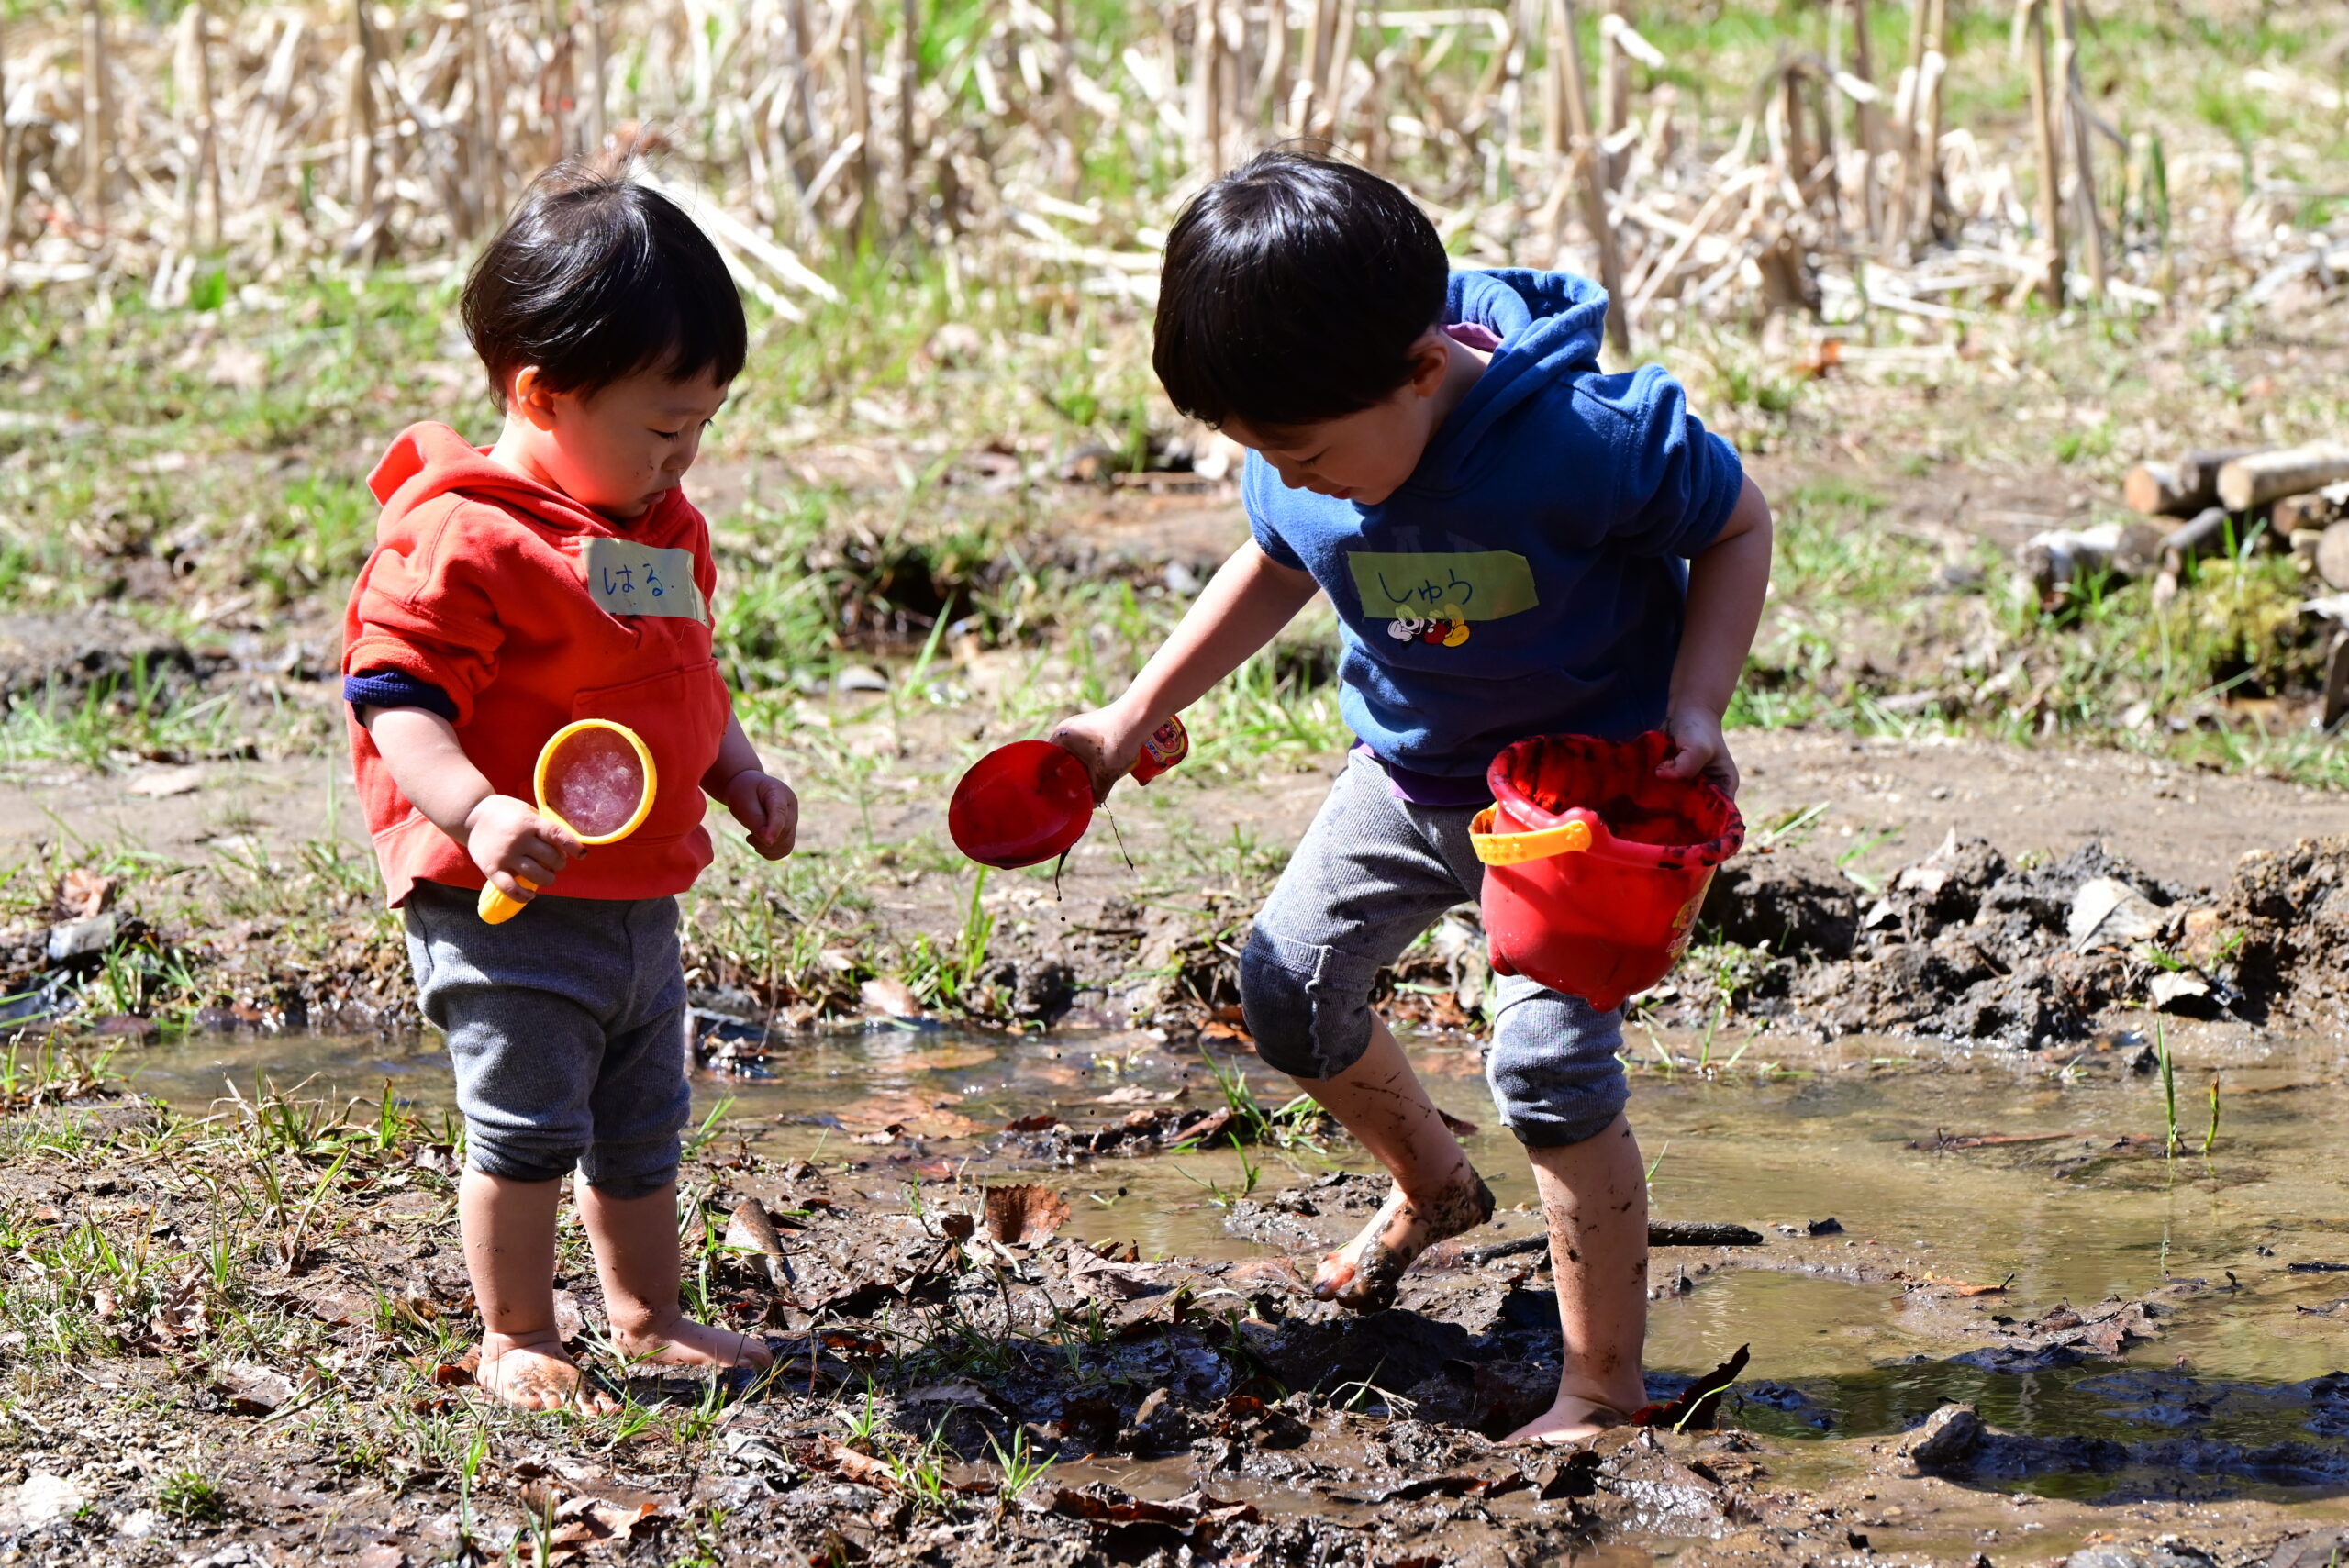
(567, 1029)
(1373, 872)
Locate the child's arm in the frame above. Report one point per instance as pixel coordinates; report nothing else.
(761, 803)
(506, 837)
(1727, 585)
(1249, 600)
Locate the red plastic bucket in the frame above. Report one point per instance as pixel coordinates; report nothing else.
(1595, 868)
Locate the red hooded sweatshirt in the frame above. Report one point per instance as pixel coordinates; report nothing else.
(529, 610)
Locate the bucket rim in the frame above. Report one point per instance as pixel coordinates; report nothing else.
(1648, 748)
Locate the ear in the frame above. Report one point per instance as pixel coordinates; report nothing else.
(1430, 357)
(528, 399)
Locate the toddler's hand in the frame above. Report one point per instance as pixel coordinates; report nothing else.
(518, 849)
(1106, 741)
(1698, 750)
(767, 810)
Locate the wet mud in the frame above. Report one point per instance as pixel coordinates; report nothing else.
(1993, 1318)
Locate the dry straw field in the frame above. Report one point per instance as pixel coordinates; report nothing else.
(1825, 164)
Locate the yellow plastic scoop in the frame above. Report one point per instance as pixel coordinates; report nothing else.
(595, 777)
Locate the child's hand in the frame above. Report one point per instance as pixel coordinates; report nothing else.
(1107, 741)
(518, 849)
(767, 808)
(1698, 750)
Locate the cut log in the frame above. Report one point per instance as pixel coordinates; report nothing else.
(2205, 535)
(2199, 472)
(2262, 477)
(2313, 509)
(2332, 557)
(2153, 490)
(2177, 489)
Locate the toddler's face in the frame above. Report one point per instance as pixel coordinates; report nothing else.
(620, 448)
(1362, 457)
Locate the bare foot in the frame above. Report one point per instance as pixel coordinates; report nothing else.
(681, 1341)
(534, 1373)
(1572, 1420)
(1363, 1274)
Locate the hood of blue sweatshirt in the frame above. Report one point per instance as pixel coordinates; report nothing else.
(1527, 578)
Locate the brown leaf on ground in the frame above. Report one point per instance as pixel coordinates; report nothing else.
(860, 1468)
(82, 893)
(1024, 1215)
(584, 1522)
(254, 1390)
(1042, 1121)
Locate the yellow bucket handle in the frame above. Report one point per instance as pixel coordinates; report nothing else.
(1515, 849)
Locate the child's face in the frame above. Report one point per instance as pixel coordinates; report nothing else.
(619, 448)
(1362, 457)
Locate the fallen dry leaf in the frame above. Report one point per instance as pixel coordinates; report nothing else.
(164, 783)
(82, 893)
(891, 997)
(1024, 1215)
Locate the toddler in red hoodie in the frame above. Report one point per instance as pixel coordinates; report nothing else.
(561, 575)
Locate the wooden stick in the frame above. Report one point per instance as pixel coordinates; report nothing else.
(2043, 126)
(1333, 86)
(908, 88)
(93, 114)
(1931, 72)
(860, 117)
(1207, 89)
(2067, 78)
(2262, 477)
(1871, 134)
(8, 161)
(2332, 556)
(1594, 178)
(487, 160)
(208, 235)
(359, 116)
(1614, 85)
(593, 132)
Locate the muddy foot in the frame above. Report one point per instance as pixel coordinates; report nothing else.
(536, 1375)
(1572, 1420)
(684, 1342)
(1365, 1274)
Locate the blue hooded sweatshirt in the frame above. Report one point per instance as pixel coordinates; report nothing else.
(1529, 577)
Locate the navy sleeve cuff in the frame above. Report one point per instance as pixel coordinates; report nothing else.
(397, 688)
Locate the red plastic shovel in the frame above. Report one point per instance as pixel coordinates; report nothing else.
(1028, 802)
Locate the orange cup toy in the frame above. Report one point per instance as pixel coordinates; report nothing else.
(1030, 802)
(1595, 868)
(595, 777)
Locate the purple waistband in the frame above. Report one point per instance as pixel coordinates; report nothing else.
(1445, 790)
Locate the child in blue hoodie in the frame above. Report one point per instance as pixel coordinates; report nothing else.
(1516, 544)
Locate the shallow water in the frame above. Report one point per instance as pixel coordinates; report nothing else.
(2071, 1218)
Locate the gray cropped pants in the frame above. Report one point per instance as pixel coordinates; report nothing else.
(567, 1029)
(1373, 872)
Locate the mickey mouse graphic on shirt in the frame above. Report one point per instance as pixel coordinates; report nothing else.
(1446, 628)
(1432, 598)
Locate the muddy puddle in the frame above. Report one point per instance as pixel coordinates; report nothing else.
(1922, 1225)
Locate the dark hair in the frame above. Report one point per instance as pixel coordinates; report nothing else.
(1293, 290)
(596, 277)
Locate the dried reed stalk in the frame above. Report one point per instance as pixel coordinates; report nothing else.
(2034, 16)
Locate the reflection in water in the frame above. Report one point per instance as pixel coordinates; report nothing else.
(2072, 1217)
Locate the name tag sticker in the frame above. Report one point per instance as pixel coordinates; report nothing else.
(629, 579)
(1461, 585)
